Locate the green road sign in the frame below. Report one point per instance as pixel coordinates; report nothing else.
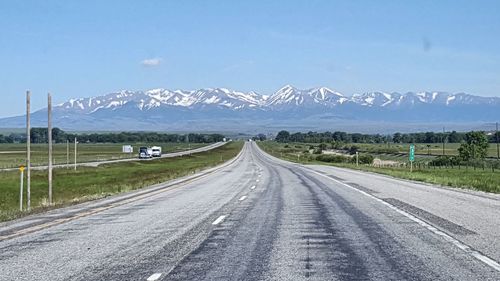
(412, 152)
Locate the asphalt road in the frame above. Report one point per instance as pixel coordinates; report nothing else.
(260, 218)
(98, 163)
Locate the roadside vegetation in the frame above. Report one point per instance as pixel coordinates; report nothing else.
(91, 146)
(40, 135)
(12, 155)
(71, 187)
(475, 173)
(426, 143)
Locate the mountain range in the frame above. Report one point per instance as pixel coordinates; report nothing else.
(216, 109)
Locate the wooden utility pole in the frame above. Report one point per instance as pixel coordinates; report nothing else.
(498, 148)
(28, 150)
(49, 133)
(67, 153)
(444, 139)
(75, 151)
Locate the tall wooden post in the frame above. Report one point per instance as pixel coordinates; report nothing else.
(67, 153)
(76, 142)
(444, 139)
(28, 150)
(498, 148)
(49, 132)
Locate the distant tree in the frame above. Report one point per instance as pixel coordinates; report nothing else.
(430, 137)
(397, 138)
(353, 149)
(322, 146)
(260, 137)
(6, 139)
(455, 137)
(475, 146)
(283, 136)
(297, 137)
(337, 145)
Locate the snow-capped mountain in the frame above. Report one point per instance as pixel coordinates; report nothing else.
(169, 109)
(162, 97)
(289, 96)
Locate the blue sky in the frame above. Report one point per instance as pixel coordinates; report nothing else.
(89, 48)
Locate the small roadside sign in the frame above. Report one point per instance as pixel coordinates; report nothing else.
(127, 149)
(412, 152)
(22, 168)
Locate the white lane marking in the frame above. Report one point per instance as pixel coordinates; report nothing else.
(257, 180)
(218, 220)
(154, 277)
(485, 259)
(243, 198)
(253, 187)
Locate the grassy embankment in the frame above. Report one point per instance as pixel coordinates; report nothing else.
(421, 149)
(71, 187)
(13, 155)
(484, 180)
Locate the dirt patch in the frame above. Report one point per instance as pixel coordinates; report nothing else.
(380, 162)
(333, 152)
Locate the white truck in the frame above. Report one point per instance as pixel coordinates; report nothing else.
(145, 152)
(156, 151)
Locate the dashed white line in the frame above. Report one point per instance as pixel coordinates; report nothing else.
(218, 220)
(476, 254)
(257, 180)
(243, 198)
(253, 187)
(154, 277)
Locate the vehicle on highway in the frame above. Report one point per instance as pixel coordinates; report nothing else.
(156, 151)
(145, 152)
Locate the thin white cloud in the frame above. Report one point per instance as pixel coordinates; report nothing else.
(151, 62)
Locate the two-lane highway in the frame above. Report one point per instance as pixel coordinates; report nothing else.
(133, 159)
(261, 218)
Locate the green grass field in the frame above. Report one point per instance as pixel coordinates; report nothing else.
(484, 180)
(433, 149)
(70, 187)
(13, 155)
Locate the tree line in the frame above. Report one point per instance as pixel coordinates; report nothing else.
(422, 137)
(40, 135)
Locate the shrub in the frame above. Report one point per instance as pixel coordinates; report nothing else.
(445, 161)
(353, 149)
(366, 159)
(331, 158)
(363, 159)
(317, 151)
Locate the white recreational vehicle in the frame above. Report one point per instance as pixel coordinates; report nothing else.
(156, 150)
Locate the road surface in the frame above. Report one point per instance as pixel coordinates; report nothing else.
(98, 163)
(261, 218)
